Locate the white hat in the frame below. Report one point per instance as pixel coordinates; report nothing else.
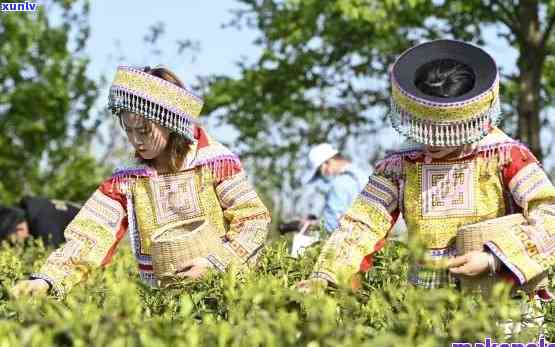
(317, 156)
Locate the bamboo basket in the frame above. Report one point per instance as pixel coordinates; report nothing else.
(473, 237)
(171, 247)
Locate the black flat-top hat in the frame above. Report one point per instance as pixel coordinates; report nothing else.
(444, 120)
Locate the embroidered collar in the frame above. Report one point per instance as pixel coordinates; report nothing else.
(204, 151)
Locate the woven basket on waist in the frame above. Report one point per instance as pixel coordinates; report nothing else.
(473, 237)
(171, 247)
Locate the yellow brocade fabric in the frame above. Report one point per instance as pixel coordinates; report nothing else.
(439, 198)
(143, 201)
(529, 250)
(366, 222)
(450, 113)
(89, 239)
(231, 206)
(159, 90)
(171, 199)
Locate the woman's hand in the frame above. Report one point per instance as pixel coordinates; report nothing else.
(471, 264)
(312, 285)
(35, 287)
(194, 269)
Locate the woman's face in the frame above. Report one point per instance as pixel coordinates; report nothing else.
(148, 138)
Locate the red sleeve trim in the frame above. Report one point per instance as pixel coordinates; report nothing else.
(368, 261)
(200, 136)
(109, 188)
(520, 157)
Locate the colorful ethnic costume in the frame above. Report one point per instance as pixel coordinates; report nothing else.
(211, 186)
(492, 176)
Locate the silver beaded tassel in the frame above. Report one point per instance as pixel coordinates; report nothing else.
(120, 100)
(447, 133)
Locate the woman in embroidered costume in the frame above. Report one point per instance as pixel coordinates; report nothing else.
(186, 175)
(457, 168)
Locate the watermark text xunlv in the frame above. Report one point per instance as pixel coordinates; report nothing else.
(18, 6)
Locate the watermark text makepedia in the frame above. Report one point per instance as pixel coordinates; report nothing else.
(488, 342)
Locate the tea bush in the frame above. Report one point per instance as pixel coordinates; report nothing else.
(261, 308)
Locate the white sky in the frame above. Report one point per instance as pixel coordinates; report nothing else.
(127, 22)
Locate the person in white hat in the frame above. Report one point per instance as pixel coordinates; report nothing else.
(342, 181)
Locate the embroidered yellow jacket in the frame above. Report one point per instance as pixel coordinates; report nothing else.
(212, 186)
(498, 176)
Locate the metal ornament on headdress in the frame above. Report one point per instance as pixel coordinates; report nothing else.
(450, 121)
(156, 99)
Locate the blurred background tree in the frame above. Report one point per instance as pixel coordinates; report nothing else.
(322, 75)
(45, 104)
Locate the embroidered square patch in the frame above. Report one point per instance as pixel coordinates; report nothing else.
(175, 197)
(448, 190)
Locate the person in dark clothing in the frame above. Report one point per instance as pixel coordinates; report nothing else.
(37, 217)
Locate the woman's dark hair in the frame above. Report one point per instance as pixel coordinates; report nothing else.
(10, 217)
(178, 145)
(340, 156)
(444, 78)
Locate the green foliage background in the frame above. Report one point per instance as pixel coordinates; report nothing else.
(258, 309)
(46, 100)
